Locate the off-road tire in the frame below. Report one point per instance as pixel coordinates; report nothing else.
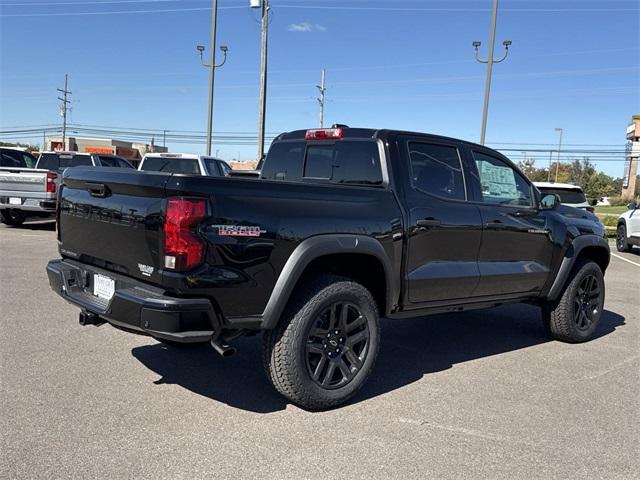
(621, 239)
(560, 317)
(12, 218)
(284, 352)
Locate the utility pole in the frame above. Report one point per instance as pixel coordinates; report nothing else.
(164, 138)
(320, 99)
(63, 110)
(212, 68)
(490, 61)
(550, 162)
(262, 111)
(559, 147)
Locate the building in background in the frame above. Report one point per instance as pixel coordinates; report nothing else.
(246, 165)
(632, 156)
(128, 150)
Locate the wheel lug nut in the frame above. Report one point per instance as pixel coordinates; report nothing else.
(336, 332)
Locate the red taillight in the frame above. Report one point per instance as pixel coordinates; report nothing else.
(183, 249)
(590, 209)
(51, 182)
(323, 134)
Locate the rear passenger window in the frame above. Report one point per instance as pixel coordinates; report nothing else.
(437, 170)
(284, 162)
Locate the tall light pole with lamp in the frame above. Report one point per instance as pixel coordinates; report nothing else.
(490, 61)
(212, 68)
(262, 109)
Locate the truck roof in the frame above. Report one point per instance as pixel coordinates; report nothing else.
(66, 152)
(188, 156)
(350, 132)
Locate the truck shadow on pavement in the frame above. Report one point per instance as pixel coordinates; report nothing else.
(409, 350)
(39, 225)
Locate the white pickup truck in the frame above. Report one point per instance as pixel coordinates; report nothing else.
(32, 192)
(628, 230)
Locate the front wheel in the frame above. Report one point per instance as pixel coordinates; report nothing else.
(621, 239)
(326, 344)
(575, 316)
(14, 218)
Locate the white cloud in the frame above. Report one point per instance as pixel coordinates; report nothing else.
(306, 27)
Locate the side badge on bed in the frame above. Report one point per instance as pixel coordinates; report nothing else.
(239, 230)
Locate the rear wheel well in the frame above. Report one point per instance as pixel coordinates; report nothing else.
(596, 254)
(365, 269)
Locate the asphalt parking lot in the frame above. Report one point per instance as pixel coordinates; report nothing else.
(475, 395)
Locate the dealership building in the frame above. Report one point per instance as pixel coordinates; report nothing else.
(128, 150)
(632, 155)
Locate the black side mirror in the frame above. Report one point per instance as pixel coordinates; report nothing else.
(550, 201)
(632, 206)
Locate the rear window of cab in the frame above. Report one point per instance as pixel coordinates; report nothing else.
(353, 162)
(171, 165)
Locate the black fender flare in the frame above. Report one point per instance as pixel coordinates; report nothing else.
(316, 247)
(571, 255)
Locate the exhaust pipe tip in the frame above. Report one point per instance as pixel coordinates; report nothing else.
(88, 318)
(223, 349)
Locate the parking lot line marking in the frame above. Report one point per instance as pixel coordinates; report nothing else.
(626, 260)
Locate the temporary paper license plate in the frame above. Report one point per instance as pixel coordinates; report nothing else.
(15, 201)
(103, 287)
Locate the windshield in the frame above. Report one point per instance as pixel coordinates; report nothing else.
(171, 165)
(567, 195)
(60, 161)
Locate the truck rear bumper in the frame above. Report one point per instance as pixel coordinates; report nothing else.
(135, 306)
(29, 204)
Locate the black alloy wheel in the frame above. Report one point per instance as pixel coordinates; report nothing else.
(586, 302)
(337, 345)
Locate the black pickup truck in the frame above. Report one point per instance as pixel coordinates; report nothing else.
(343, 226)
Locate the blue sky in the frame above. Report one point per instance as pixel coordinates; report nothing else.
(390, 63)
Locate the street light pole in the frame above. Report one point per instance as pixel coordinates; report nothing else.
(64, 106)
(212, 68)
(262, 111)
(321, 88)
(559, 147)
(490, 61)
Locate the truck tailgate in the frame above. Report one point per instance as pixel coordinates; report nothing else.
(23, 180)
(112, 218)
